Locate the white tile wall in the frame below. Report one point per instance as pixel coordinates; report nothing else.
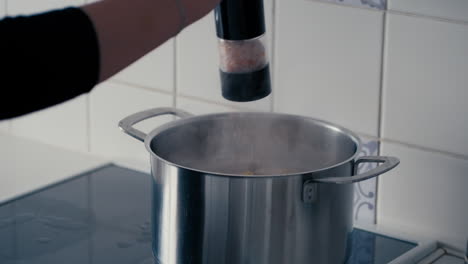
(23, 7)
(110, 103)
(425, 193)
(155, 70)
(5, 126)
(2, 8)
(198, 61)
(328, 63)
(451, 9)
(62, 125)
(198, 107)
(425, 89)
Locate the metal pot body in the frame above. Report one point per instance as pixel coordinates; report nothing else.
(202, 218)
(259, 188)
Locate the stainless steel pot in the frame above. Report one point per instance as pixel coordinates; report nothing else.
(259, 188)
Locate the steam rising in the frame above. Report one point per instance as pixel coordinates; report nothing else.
(253, 144)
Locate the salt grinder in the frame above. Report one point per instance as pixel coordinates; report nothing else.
(244, 66)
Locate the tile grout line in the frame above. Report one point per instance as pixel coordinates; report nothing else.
(347, 5)
(273, 57)
(428, 17)
(156, 90)
(395, 12)
(415, 146)
(208, 101)
(142, 87)
(87, 115)
(382, 76)
(380, 110)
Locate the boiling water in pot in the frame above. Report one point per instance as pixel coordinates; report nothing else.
(251, 144)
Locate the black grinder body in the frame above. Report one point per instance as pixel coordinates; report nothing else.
(244, 65)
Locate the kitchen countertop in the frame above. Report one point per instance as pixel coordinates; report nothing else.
(27, 166)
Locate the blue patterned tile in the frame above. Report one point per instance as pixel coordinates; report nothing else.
(365, 191)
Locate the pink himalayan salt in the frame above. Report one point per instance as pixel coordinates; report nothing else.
(242, 56)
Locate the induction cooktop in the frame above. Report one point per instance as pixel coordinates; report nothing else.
(103, 216)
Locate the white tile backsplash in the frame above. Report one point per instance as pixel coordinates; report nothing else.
(5, 126)
(330, 69)
(198, 62)
(111, 102)
(26, 7)
(2, 8)
(155, 70)
(62, 125)
(451, 9)
(426, 193)
(198, 107)
(425, 85)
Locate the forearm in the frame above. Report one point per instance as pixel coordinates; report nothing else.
(129, 29)
(55, 56)
(49, 58)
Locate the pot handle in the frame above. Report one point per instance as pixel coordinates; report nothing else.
(385, 164)
(126, 124)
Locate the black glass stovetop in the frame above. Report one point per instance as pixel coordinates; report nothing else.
(103, 216)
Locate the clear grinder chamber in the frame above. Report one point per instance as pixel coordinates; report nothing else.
(244, 65)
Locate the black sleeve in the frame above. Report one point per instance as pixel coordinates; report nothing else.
(46, 59)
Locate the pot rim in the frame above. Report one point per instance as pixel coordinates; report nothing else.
(183, 121)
